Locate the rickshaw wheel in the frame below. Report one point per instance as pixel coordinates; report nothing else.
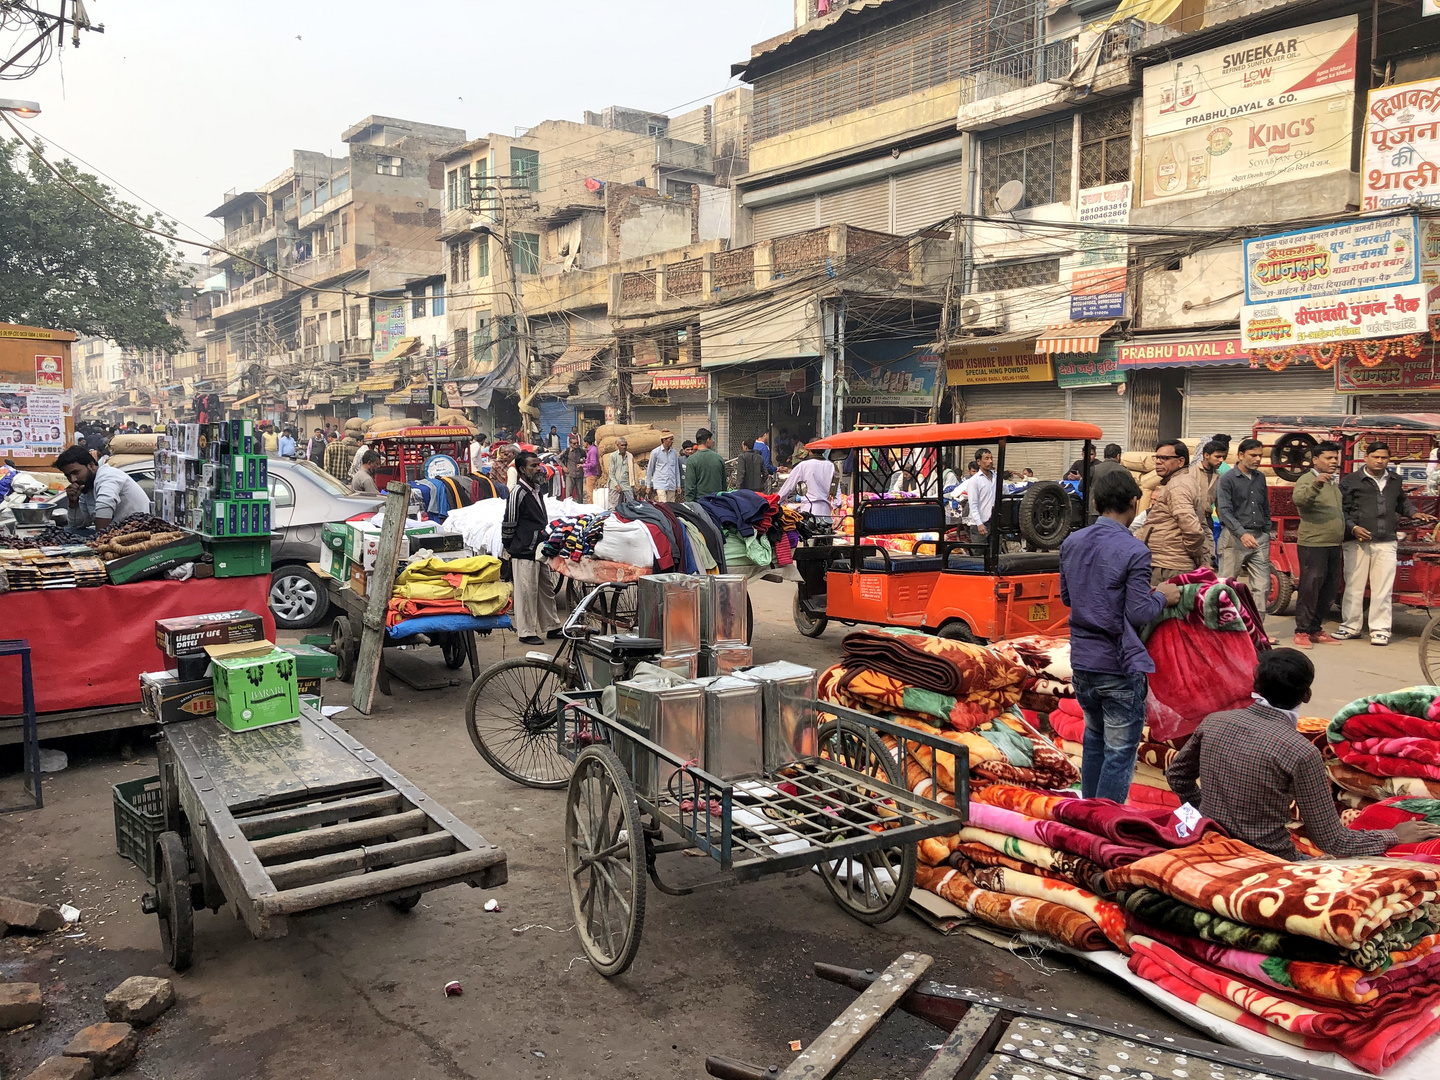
(873, 887)
(1430, 651)
(340, 642)
(1282, 588)
(605, 860)
(453, 649)
(811, 626)
(174, 904)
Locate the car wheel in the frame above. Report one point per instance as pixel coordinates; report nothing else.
(297, 598)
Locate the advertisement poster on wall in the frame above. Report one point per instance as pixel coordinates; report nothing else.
(1182, 352)
(1097, 272)
(1245, 113)
(389, 327)
(1102, 369)
(1336, 283)
(1393, 375)
(908, 381)
(1402, 146)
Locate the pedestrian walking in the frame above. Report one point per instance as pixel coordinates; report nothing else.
(662, 471)
(1105, 580)
(1319, 544)
(591, 467)
(620, 466)
(521, 531)
(750, 468)
(315, 448)
(705, 471)
(1173, 531)
(978, 496)
(818, 475)
(575, 470)
(1374, 501)
(762, 447)
(1208, 471)
(1108, 464)
(1243, 503)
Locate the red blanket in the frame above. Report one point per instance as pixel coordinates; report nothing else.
(1198, 671)
(1391, 812)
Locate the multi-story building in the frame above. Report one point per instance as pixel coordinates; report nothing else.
(306, 254)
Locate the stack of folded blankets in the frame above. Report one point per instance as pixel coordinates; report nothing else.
(1386, 745)
(750, 524)
(1033, 862)
(470, 586)
(1390, 812)
(1330, 955)
(1152, 757)
(962, 692)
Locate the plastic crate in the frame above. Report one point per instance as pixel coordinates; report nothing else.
(241, 557)
(139, 821)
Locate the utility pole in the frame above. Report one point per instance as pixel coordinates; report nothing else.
(517, 304)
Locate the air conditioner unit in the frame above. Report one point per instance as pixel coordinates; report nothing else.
(364, 329)
(982, 311)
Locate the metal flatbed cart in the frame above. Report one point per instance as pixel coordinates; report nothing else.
(294, 819)
(841, 804)
(1001, 1038)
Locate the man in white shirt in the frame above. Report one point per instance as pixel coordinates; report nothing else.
(818, 476)
(979, 492)
(98, 495)
(662, 472)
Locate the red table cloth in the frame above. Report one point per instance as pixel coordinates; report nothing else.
(89, 646)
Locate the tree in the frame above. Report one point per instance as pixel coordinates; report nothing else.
(67, 264)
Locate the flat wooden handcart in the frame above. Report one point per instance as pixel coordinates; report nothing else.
(295, 819)
(845, 807)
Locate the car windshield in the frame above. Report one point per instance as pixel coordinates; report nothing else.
(322, 478)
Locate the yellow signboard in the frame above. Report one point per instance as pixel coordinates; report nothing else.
(980, 365)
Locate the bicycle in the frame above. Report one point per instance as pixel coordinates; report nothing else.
(510, 710)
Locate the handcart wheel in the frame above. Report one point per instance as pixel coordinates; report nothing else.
(510, 715)
(621, 610)
(605, 860)
(873, 886)
(174, 903)
(453, 649)
(1282, 588)
(1430, 651)
(340, 646)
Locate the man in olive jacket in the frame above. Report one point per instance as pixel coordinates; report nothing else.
(1318, 544)
(1374, 500)
(705, 471)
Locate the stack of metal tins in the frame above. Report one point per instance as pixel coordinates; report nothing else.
(723, 608)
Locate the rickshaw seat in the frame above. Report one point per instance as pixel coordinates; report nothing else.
(901, 563)
(1013, 562)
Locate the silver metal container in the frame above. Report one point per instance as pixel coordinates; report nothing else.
(31, 515)
(790, 725)
(722, 609)
(734, 711)
(685, 663)
(669, 609)
(672, 716)
(725, 659)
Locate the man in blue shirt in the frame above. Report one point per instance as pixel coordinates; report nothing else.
(287, 444)
(762, 447)
(1105, 580)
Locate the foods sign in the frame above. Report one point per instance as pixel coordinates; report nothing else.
(1340, 283)
(1402, 146)
(1239, 115)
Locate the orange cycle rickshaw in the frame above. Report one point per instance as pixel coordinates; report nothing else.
(905, 563)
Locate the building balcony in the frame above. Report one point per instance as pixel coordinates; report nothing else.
(691, 157)
(322, 267)
(264, 289)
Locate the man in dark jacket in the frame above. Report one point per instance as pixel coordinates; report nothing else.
(1374, 501)
(1110, 464)
(1244, 506)
(750, 467)
(526, 520)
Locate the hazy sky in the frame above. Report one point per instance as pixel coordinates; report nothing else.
(179, 102)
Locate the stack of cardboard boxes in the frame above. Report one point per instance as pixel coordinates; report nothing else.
(348, 548)
(213, 479)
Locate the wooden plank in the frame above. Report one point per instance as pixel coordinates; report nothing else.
(1082, 1052)
(382, 581)
(305, 817)
(468, 866)
(1004, 1067)
(79, 722)
(972, 1038)
(241, 765)
(834, 1046)
(337, 836)
(308, 871)
(314, 757)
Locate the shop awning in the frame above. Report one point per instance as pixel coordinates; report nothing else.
(578, 358)
(403, 348)
(1072, 336)
(1012, 338)
(245, 401)
(345, 390)
(319, 399)
(378, 384)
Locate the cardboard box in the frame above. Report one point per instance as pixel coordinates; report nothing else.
(359, 580)
(167, 699)
(193, 633)
(311, 693)
(312, 662)
(239, 516)
(255, 691)
(153, 563)
(335, 536)
(335, 564)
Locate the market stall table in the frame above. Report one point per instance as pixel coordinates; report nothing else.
(89, 646)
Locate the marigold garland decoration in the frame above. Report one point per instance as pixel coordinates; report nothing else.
(1370, 353)
(1326, 356)
(1413, 344)
(1278, 359)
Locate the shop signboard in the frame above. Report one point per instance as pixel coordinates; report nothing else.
(1097, 271)
(1393, 375)
(389, 327)
(1337, 283)
(1279, 105)
(1102, 369)
(784, 381)
(681, 380)
(1402, 146)
(1183, 352)
(980, 365)
(906, 382)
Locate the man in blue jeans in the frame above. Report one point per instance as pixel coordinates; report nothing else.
(1105, 579)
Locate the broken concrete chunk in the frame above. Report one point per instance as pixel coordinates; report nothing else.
(139, 1000)
(108, 1047)
(64, 1068)
(25, 916)
(19, 1004)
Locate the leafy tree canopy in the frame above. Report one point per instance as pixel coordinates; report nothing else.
(66, 264)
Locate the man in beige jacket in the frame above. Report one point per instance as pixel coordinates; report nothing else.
(1175, 531)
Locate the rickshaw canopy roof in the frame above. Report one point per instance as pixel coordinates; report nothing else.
(1364, 422)
(972, 432)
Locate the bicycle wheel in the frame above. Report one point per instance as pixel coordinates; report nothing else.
(621, 613)
(510, 715)
(874, 886)
(605, 860)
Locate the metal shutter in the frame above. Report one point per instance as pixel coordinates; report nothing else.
(660, 416)
(748, 417)
(1227, 400)
(1023, 403)
(928, 196)
(865, 207)
(784, 218)
(1100, 405)
(1370, 404)
(695, 415)
(557, 413)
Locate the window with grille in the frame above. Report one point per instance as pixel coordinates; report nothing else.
(344, 229)
(464, 260)
(462, 344)
(484, 336)
(452, 190)
(1105, 146)
(463, 185)
(1017, 275)
(526, 253)
(1038, 157)
(454, 262)
(417, 305)
(355, 320)
(437, 300)
(525, 168)
(389, 166)
(482, 257)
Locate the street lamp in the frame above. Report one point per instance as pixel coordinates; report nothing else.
(19, 107)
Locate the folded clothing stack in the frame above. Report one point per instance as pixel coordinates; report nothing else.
(573, 538)
(469, 586)
(1387, 744)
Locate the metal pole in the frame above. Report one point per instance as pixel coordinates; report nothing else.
(827, 369)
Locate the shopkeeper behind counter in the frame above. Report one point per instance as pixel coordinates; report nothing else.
(98, 494)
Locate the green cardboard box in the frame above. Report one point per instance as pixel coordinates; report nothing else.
(335, 535)
(335, 563)
(312, 662)
(256, 691)
(154, 563)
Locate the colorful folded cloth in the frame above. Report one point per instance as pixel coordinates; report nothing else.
(974, 673)
(1391, 734)
(1155, 910)
(1058, 834)
(1351, 903)
(1106, 914)
(401, 608)
(1373, 1037)
(1393, 811)
(980, 855)
(1074, 868)
(1366, 785)
(1009, 912)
